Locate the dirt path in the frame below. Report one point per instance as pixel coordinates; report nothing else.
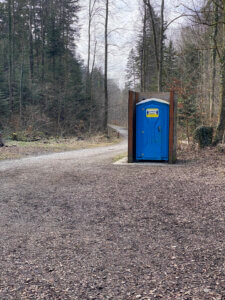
(81, 157)
(20, 149)
(74, 226)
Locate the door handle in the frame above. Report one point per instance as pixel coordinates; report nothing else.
(159, 129)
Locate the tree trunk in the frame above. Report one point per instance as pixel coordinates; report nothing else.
(214, 54)
(91, 12)
(158, 43)
(42, 44)
(31, 42)
(91, 92)
(187, 130)
(143, 52)
(36, 42)
(88, 83)
(106, 68)
(221, 122)
(89, 38)
(10, 57)
(161, 48)
(21, 86)
(13, 44)
(154, 32)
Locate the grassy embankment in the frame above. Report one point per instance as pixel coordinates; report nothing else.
(19, 149)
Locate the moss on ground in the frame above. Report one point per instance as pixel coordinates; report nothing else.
(119, 157)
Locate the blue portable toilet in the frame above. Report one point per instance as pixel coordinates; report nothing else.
(152, 130)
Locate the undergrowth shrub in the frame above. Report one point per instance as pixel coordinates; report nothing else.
(221, 148)
(203, 135)
(27, 136)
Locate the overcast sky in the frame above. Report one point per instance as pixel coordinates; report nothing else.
(125, 17)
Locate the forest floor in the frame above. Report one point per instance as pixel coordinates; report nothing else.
(19, 149)
(75, 226)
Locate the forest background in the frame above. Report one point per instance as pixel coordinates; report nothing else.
(46, 86)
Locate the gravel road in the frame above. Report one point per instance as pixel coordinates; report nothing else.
(75, 226)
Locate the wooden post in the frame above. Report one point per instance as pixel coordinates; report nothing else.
(133, 99)
(131, 127)
(173, 129)
(136, 100)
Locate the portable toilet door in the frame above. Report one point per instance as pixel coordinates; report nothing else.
(152, 130)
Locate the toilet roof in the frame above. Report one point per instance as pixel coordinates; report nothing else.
(153, 99)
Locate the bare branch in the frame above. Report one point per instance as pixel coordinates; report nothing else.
(167, 25)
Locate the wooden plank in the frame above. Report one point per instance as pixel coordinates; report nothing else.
(171, 127)
(131, 126)
(174, 159)
(136, 100)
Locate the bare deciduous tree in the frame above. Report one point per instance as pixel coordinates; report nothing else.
(159, 39)
(204, 17)
(106, 64)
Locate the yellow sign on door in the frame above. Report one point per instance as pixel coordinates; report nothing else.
(152, 112)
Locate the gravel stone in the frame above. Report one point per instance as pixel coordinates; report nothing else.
(75, 226)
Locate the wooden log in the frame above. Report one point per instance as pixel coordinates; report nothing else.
(1, 141)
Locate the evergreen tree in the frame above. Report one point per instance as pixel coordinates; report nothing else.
(170, 70)
(39, 68)
(144, 61)
(132, 79)
(189, 68)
